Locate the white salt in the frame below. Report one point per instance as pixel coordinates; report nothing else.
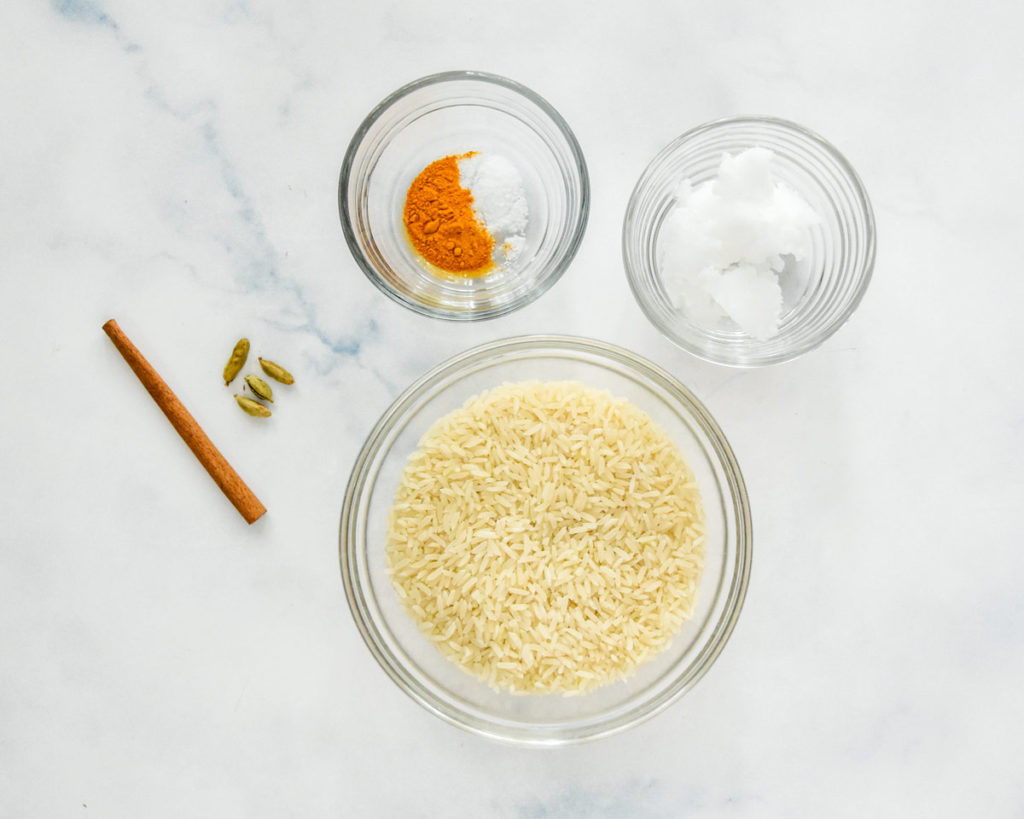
(726, 241)
(499, 200)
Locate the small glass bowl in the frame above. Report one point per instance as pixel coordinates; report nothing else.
(451, 114)
(416, 665)
(819, 293)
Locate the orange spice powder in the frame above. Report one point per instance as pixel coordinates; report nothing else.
(441, 224)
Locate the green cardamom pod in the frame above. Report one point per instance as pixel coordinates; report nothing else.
(237, 360)
(260, 387)
(276, 371)
(252, 407)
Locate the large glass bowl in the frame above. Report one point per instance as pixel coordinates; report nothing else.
(819, 293)
(451, 114)
(413, 662)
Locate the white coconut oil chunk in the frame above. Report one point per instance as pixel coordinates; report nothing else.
(499, 201)
(727, 241)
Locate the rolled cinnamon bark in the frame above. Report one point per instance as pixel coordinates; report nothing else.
(229, 481)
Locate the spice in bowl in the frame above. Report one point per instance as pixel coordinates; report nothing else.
(466, 215)
(728, 244)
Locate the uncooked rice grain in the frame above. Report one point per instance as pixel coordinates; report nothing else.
(547, 537)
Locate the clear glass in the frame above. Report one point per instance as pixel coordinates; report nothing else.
(819, 293)
(416, 665)
(451, 114)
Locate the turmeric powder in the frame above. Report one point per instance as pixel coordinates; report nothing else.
(441, 224)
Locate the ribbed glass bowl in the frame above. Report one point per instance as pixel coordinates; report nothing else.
(451, 114)
(416, 665)
(819, 293)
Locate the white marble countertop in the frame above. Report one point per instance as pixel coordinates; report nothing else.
(176, 167)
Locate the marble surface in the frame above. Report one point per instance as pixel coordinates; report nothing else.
(175, 166)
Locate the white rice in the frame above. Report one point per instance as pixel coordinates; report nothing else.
(547, 537)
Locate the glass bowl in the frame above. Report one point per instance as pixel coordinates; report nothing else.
(451, 114)
(819, 293)
(416, 665)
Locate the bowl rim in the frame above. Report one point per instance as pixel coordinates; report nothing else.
(863, 201)
(581, 217)
(737, 573)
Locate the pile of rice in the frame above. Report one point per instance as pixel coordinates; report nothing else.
(547, 537)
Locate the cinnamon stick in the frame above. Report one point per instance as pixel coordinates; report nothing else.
(229, 481)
